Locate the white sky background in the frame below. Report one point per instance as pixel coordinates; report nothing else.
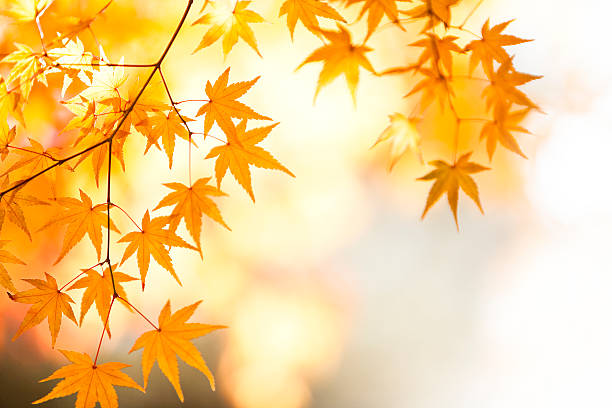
(516, 311)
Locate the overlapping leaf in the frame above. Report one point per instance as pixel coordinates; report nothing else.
(308, 11)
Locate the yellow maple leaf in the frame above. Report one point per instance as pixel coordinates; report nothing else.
(172, 338)
(502, 88)
(438, 50)
(24, 11)
(99, 289)
(435, 11)
(82, 217)
(307, 11)
(240, 151)
(91, 382)
(7, 257)
(404, 136)
(27, 69)
(229, 23)
(47, 301)
(190, 203)
(449, 178)
(11, 203)
(151, 240)
(340, 56)
(222, 105)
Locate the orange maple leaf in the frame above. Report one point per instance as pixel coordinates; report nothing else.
(168, 127)
(91, 382)
(502, 88)
(222, 105)
(190, 203)
(7, 257)
(340, 56)
(99, 289)
(435, 11)
(376, 9)
(48, 301)
(172, 339)
(82, 217)
(490, 47)
(449, 178)
(151, 240)
(307, 11)
(240, 151)
(500, 128)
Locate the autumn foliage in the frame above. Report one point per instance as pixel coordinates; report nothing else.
(112, 101)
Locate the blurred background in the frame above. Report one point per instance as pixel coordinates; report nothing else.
(334, 291)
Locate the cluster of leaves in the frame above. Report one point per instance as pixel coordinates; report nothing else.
(110, 106)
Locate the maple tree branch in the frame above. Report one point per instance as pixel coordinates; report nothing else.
(139, 312)
(77, 277)
(128, 215)
(45, 154)
(471, 13)
(104, 328)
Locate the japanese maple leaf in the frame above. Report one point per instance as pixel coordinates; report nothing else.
(222, 105)
(434, 10)
(105, 82)
(168, 127)
(172, 338)
(11, 203)
(7, 257)
(376, 9)
(82, 217)
(307, 12)
(90, 381)
(240, 151)
(190, 203)
(47, 301)
(229, 23)
(490, 47)
(500, 128)
(438, 50)
(26, 70)
(99, 289)
(33, 159)
(433, 86)
(449, 178)
(151, 240)
(502, 88)
(404, 136)
(340, 56)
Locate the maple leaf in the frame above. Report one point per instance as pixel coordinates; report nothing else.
(500, 127)
(449, 178)
(7, 257)
(240, 151)
(11, 203)
(91, 382)
(150, 240)
(99, 289)
(503, 86)
(34, 158)
(82, 217)
(230, 24)
(490, 47)
(26, 10)
(404, 136)
(168, 127)
(307, 11)
(105, 82)
(435, 11)
(222, 105)
(48, 301)
(434, 86)
(190, 203)
(340, 56)
(27, 69)
(376, 9)
(172, 339)
(438, 50)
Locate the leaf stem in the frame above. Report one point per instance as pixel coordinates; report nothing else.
(139, 312)
(104, 328)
